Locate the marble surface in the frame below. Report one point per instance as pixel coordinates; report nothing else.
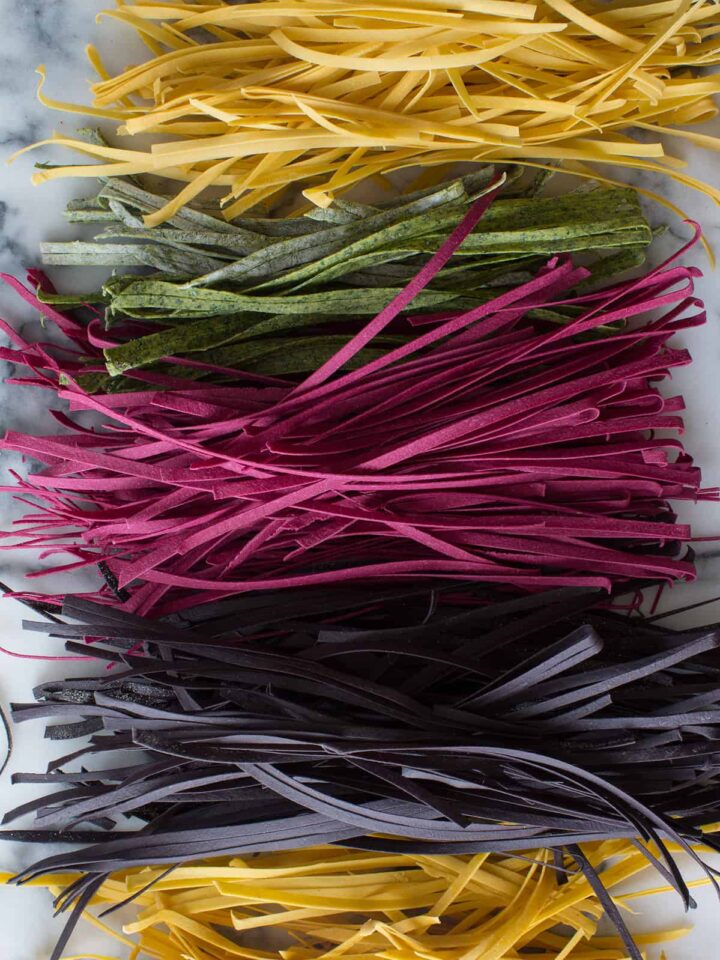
(55, 33)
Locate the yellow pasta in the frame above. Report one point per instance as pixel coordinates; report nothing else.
(327, 903)
(324, 93)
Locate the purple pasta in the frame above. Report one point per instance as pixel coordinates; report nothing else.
(410, 720)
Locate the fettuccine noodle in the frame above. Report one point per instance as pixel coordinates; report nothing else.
(327, 902)
(257, 97)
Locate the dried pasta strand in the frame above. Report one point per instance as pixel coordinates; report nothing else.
(338, 91)
(492, 905)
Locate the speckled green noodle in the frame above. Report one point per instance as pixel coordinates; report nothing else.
(604, 218)
(167, 301)
(269, 357)
(212, 335)
(215, 283)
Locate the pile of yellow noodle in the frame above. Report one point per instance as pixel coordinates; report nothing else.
(327, 903)
(257, 97)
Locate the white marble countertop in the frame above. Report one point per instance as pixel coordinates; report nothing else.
(55, 33)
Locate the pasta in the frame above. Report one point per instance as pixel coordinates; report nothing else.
(445, 456)
(510, 440)
(255, 97)
(325, 902)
